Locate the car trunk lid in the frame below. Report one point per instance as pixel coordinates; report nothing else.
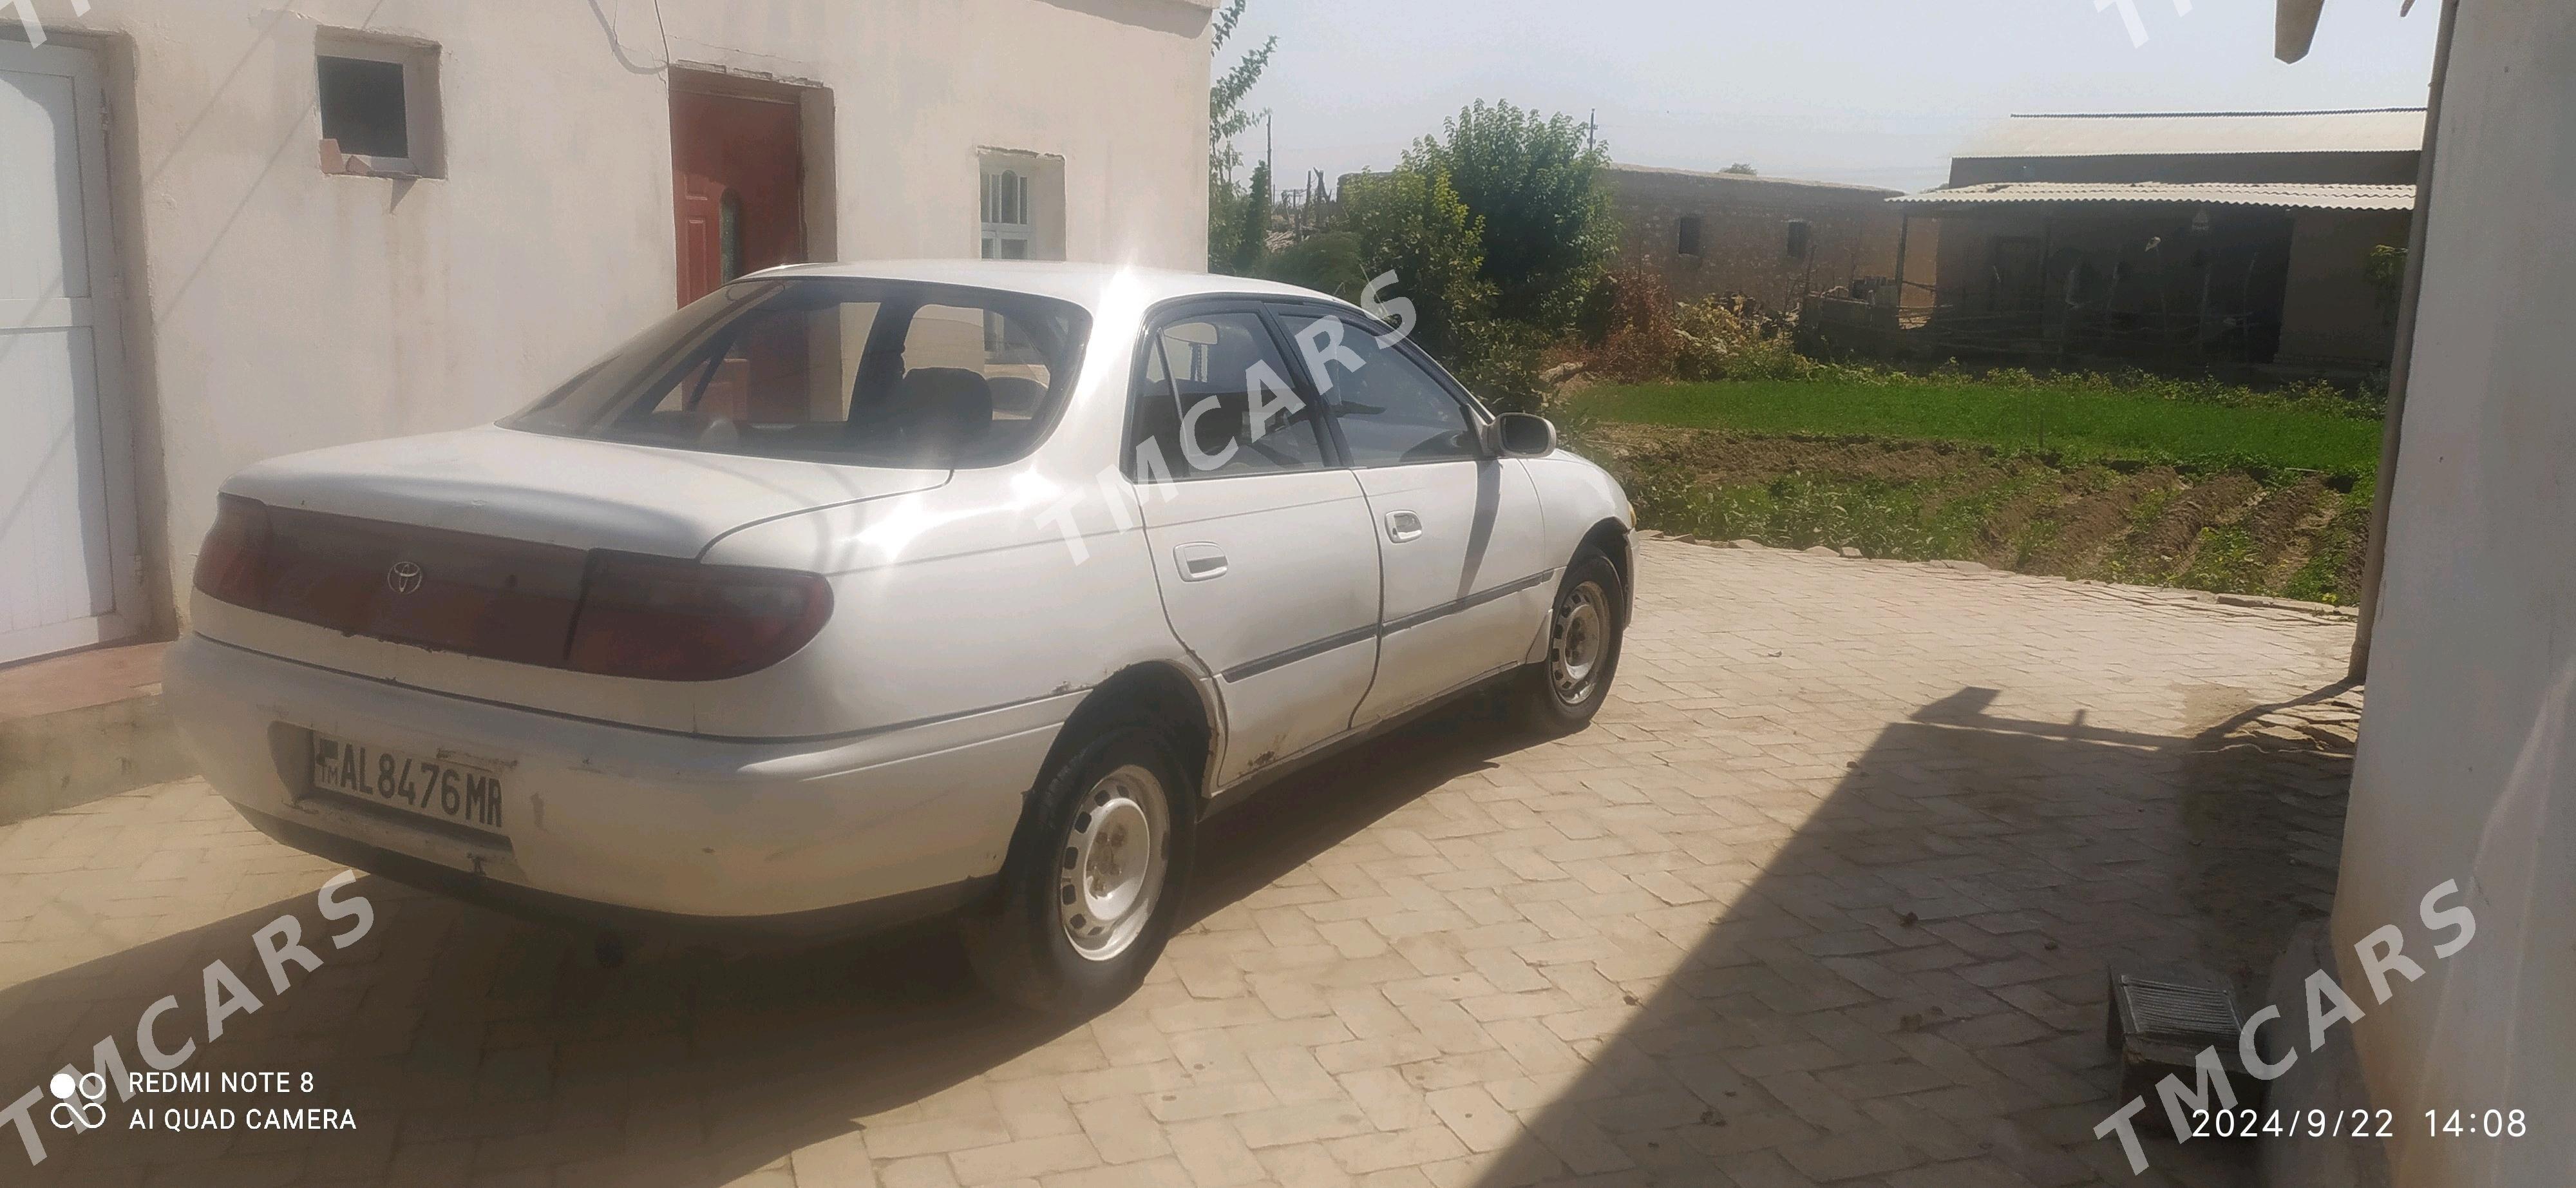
(576, 493)
(422, 560)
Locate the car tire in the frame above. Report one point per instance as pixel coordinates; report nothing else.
(1561, 693)
(1093, 886)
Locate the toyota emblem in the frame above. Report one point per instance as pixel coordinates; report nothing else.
(403, 578)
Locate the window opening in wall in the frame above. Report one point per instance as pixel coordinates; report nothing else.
(1690, 233)
(1798, 238)
(379, 105)
(729, 235)
(1007, 226)
(1007, 232)
(362, 106)
(1020, 214)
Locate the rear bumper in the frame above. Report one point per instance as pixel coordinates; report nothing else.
(620, 826)
(531, 903)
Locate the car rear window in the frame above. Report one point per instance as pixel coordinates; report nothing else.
(862, 372)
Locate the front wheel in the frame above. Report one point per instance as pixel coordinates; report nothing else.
(1560, 694)
(1094, 882)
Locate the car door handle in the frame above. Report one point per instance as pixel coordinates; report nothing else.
(1402, 526)
(1199, 562)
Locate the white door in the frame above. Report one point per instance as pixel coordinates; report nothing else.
(68, 554)
(1261, 548)
(1459, 535)
(1466, 588)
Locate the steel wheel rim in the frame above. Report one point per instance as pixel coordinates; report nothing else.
(1579, 643)
(1109, 878)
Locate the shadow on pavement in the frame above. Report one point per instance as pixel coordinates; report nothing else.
(1917, 976)
(467, 1043)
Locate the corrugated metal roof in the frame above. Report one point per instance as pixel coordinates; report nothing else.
(2184, 134)
(1747, 179)
(2285, 195)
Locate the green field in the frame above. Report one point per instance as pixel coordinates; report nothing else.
(2078, 423)
(2146, 482)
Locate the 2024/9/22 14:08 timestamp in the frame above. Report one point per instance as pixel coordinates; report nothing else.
(2475, 1123)
(2494, 1123)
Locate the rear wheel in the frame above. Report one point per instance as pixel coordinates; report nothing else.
(1094, 882)
(1560, 694)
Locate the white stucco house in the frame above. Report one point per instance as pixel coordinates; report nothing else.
(231, 229)
(2466, 771)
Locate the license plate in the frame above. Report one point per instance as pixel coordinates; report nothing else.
(437, 790)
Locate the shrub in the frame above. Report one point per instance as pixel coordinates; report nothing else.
(1712, 337)
(1412, 223)
(1239, 225)
(1534, 184)
(1501, 363)
(1327, 263)
(1640, 342)
(1718, 343)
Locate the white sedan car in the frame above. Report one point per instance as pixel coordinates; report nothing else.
(855, 594)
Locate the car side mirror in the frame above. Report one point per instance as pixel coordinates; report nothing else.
(1526, 435)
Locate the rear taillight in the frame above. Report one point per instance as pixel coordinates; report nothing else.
(233, 565)
(616, 614)
(662, 619)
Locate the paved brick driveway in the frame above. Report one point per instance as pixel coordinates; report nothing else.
(1826, 896)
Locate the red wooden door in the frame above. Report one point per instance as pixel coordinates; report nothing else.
(737, 184)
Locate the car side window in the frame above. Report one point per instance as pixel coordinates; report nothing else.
(1214, 398)
(1390, 410)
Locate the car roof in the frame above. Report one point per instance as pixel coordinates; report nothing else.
(1095, 287)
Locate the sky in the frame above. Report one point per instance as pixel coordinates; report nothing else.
(1878, 92)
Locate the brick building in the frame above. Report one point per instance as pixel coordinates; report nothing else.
(2211, 238)
(1772, 239)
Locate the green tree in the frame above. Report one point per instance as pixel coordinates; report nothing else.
(2385, 269)
(1534, 184)
(1231, 206)
(1237, 246)
(1227, 116)
(1413, 224)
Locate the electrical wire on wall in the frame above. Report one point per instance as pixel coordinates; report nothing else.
(617, 44)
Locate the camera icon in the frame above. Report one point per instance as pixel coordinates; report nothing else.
(78, 1107)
